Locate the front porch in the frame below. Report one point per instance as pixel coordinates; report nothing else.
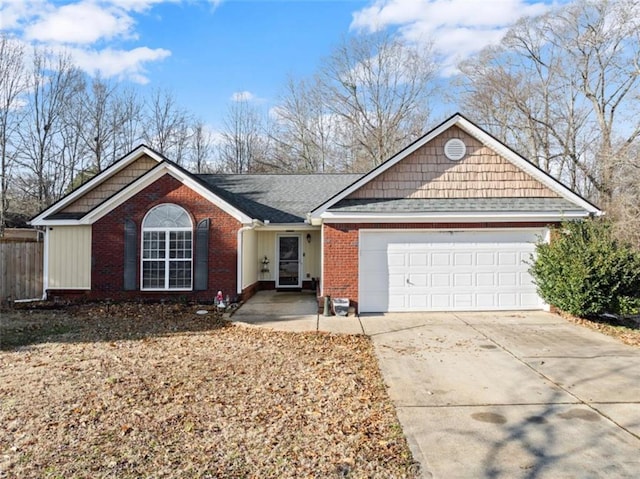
(292, 311)
(275, 258)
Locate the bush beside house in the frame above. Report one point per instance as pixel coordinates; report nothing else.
(585, 270)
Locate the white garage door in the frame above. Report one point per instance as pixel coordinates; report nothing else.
(447, 270)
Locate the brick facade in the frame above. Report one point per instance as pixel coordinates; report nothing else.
(341, 248)
(107, 272)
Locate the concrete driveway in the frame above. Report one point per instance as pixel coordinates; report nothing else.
(511, 395)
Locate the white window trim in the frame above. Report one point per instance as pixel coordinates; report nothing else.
(167, 259)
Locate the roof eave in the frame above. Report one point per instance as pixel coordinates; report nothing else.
(461, 217)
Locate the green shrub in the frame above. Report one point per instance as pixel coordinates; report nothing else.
(585, 271)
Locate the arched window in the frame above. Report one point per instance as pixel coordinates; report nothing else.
(167, 248)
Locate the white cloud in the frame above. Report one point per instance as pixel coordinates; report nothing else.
(119, 63)
(85, 22)
(457, 28)
(242, 96)
(86, 29)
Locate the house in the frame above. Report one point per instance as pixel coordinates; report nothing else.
(448, 223)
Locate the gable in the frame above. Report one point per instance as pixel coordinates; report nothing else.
(427, 173)
(111, 185)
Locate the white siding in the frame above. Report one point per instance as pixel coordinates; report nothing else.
(249, 252)
(69, 257)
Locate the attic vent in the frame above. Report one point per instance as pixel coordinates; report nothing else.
(455, 149)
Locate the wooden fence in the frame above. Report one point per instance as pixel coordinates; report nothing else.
(20, 270)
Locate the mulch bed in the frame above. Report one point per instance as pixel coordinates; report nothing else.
(134, 390)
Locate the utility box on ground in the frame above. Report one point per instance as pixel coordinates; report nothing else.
(341, 306)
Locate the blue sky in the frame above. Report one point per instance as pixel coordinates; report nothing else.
(208, 52)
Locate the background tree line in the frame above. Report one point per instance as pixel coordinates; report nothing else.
(562, 89)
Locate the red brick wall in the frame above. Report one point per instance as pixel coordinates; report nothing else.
(341, 251)
(108, 243)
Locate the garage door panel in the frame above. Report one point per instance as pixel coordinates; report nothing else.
(485, 258)
(441, 301)
(462, 259)
(509, 258)
(440, 259)
(507, 279)
(486, 300)
(397, 259)
(485, 279)
(462, 279)
(417, 259)
(396, 280)
(461, 270)
(418, 280)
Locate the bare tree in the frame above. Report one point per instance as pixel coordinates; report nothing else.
(102, 118)
(128, 111)
(564, 88)
(201, 146)
(53, 81)
(379, 88)
(166, 128)
(12, 85)
(304, 130)
(243, 147)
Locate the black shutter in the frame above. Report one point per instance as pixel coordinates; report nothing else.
(130, 248)
(201, 273)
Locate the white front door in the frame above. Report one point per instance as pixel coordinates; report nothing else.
(447, 270)
(289, 258)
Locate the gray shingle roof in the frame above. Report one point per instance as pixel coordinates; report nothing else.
(277, 198)
(455, 205)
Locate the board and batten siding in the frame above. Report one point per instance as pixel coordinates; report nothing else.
(427, 173)
(249, 255)
(69, 257)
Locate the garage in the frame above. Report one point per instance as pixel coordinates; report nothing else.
(428, 270)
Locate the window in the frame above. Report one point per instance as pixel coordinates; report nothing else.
(167, 248)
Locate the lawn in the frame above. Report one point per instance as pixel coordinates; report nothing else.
(133, 391)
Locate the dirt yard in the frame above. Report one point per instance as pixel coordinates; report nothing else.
(134, 391)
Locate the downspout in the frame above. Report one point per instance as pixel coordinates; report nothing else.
(239, 242)
(45, 266)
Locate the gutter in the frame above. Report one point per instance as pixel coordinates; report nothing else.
(239, 247)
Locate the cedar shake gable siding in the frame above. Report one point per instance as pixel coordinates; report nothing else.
(427, 173)
(107, 274)
(111, 185)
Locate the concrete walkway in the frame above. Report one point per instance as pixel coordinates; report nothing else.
(292, 311)
(499, 395)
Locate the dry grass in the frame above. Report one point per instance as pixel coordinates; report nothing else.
(626, 330)
(156, 391)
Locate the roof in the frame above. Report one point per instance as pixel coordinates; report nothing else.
(296, 198)
(455, 205)
(285, 198)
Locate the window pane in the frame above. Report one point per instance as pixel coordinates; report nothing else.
(179, 274)
(167, 216)
(153, 274)
(153, 245)
(180, 244)
(289, 248)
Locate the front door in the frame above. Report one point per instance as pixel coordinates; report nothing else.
(289, 262)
